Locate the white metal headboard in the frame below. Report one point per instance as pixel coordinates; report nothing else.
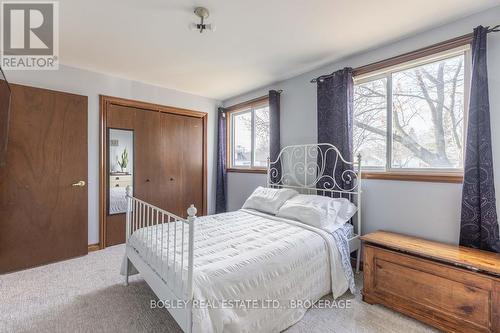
(303, 167)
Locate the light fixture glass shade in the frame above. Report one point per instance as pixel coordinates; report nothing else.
(193, 26)
(210, 26)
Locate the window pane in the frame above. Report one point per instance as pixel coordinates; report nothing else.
(427, 119)
(370, 117)
(261, 132)
(242, 139)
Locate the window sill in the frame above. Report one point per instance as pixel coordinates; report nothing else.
(456, 178)
(241, 170)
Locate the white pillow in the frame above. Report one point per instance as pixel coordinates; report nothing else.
(268, 200)
(318, 211)
(347, 210)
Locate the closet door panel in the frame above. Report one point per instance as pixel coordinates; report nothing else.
(147, 156)
(172, 144)
(192, 157)
(122, 117)
(182, 163)
(168, 159)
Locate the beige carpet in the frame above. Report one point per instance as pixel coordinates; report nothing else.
(87, 295)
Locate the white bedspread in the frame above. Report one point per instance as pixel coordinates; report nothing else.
(246, 255)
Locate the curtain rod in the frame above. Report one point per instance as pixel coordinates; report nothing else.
(252, 101)
(448, 44)
(496, 28)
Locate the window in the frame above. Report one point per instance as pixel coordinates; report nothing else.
(249, 136)
(410, 118)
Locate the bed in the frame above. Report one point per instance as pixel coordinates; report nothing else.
(117, 200)
(247, 270)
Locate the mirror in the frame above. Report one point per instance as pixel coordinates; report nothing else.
(120, 168)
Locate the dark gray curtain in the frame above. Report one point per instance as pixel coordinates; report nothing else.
(479, 224)
(335, 122)
(220, 196)
(274, 136)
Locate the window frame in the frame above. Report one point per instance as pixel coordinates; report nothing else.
(241, 108)
(452, 175)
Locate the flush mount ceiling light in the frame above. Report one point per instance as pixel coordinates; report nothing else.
(203, 14)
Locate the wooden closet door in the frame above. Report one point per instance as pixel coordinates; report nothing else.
(192, 171)
(147, 156)
(172, 127)
(121, 117)
(169, 155)
(182, 162)
(43, 218)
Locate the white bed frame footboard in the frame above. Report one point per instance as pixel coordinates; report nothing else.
(171, 277)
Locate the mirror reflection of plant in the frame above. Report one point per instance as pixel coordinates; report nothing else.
(123, 161)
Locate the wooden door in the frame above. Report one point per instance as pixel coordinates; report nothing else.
(191, 179)
(124, 118)
(171, 152)
(43, 218)
(147, 156)
(182, 163)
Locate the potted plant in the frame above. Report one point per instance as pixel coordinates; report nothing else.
(123, 161)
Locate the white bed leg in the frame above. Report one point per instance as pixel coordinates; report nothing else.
(127, 264)
(358, 259)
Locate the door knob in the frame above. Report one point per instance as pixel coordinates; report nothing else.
(81, 183)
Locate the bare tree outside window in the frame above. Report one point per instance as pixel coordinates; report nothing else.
(261, 134)
(250, 128)
(242, 139)
(370, 114)
(427, 117)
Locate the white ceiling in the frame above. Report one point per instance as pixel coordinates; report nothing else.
(257, 42)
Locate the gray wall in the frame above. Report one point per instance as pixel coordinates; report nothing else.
(93, 84)
(430, 210)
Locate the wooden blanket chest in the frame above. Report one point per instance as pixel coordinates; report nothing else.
(453, 288)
